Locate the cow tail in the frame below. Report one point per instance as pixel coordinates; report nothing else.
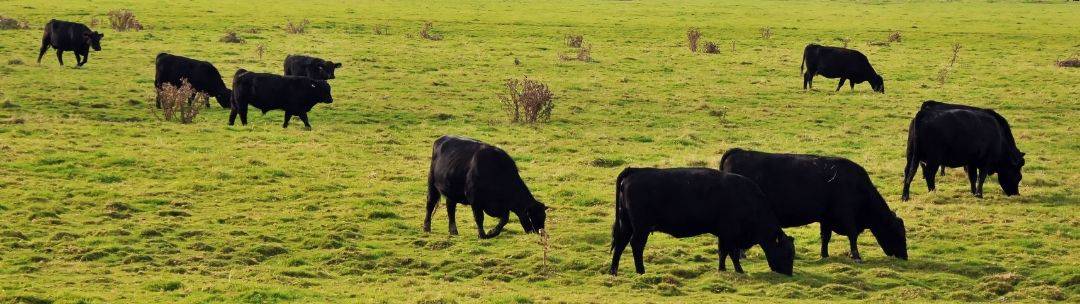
(617, 226)
(803, 62)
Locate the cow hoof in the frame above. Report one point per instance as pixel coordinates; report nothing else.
(858, 260)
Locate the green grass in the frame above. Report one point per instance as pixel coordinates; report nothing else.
(102, 203)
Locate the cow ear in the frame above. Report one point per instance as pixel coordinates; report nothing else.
(337, 65)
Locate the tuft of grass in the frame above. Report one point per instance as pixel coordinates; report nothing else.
(15, 61)
(297, 27)
(232, 37)
(711, 48)
(380, 29)
(766, 32)
(1069, 63)
(13, 24)
(894, 37)
(607, 162)
(943, 73)
(574, 40)
(426, 32)
(260, 50)
(124, 20)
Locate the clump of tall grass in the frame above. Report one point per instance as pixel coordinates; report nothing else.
(181, 103)
(231, 37)
(692, 37)
(584, 54)
(13, 24)
(380, 29)
(711, 48)
(124, 20)
(297, 27)
(425, 32)
(527, 101)
(574, 40)
(894, 37)
(766, 32)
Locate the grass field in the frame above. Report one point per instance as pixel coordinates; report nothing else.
(100, 202)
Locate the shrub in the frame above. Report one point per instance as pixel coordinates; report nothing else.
(527, 101)
(692, 37)
(380, 29)
(297, 28)
(1069, 63)
(425, 32)
(943, 74)
(766, 33)
(180, 103)
(574, 40)
(711, 48)
(124, 20)
(894, 37)
(260, 50)
(12, 24)
(232, 37)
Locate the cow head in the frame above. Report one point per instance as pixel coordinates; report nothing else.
(325, 69)
(780, 253)
(320, 90)
(532, 220)
(1009, 175)
(877, 83)
(93, 39)
(224, 98)
(891, 236)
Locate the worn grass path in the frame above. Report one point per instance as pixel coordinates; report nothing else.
(102, 203)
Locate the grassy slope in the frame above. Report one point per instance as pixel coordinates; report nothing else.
(100, 202)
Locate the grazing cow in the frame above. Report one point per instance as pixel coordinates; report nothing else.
(686, 202)
(300, 65)
(977, 139)
(296, 95)
(834, 62)
(832, 191)
(474, 173)
(202, 76)
(70, 36)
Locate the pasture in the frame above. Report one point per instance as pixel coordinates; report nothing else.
(101, 202)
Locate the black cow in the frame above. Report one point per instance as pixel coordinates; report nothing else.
(70, 36)
(951, 135)
(300, 65)
(202, 76)
(296, 95)
(834, 62)
(474, 173)
(685, 202)
(832, 191)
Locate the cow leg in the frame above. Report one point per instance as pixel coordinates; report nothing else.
(853, 240)
(288, 116)
(852, 85)
(451, 213)
(499, 227)
(478, 215)
(909, 174)
(620, 238)
(60, 56)
(972, 179)
(303, 117)
(243, 115)
(808, 80)
(433, 197)
(723, 255)
(44, 47)
(838, 86)
(929, 173)
(85, 58)
(637, 244)
(735, 262)
(982, 178)
(826, 235)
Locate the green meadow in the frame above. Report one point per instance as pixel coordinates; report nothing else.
(102, 202)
